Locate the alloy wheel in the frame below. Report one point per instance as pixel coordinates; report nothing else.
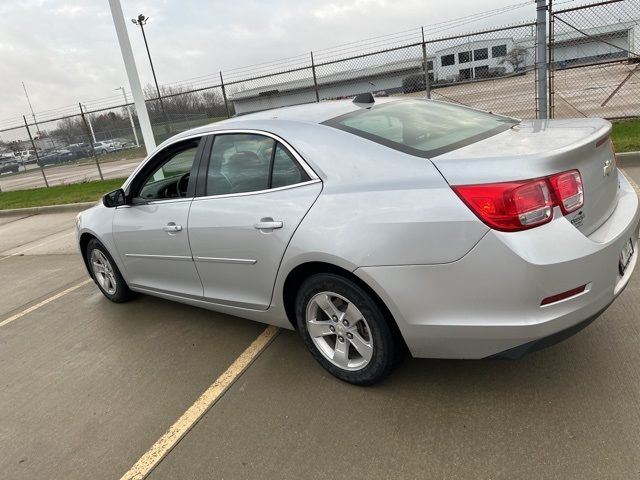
(103, 271)
(339, 331)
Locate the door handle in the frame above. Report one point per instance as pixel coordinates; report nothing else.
(172, 228)
(267, 224)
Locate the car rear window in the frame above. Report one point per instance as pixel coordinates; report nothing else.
(421, 127)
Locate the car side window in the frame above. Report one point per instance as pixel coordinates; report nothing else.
(247, 162)
(171, 176)
(286, 170)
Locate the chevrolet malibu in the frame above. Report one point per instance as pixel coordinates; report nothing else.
(375, 227)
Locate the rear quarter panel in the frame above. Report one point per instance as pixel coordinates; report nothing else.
(379, 206)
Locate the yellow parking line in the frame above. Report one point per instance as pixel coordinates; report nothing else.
(43, 303)
(165, 444)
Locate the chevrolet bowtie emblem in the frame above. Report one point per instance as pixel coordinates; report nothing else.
(607, 167)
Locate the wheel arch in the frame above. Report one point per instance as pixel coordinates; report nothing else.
(83, 242)
(303, 271)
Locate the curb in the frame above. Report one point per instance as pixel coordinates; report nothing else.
(67, 207)
(628, 159)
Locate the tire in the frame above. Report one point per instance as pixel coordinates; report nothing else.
(361, 351)
(107, 276)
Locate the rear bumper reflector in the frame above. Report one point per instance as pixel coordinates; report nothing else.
(561, 296)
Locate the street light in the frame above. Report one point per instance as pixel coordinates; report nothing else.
(126, 104)
(141, 21)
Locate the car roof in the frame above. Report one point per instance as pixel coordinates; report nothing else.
(309, 113)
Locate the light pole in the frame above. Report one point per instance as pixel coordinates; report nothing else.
(126, 104)
(93, 135)
(141, 21)
(31, 108)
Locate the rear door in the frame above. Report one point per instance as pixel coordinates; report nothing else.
(255, 190)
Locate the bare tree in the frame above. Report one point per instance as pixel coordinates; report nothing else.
(515, 57)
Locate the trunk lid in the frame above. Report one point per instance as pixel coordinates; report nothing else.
(538, 148)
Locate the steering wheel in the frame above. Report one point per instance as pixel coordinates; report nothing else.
(182, 185)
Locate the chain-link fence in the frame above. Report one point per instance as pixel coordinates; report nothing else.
(594, 60)
(594, 70)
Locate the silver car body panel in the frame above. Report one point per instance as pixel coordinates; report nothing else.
(237, 261)
(455, 287)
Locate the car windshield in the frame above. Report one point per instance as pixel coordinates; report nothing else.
(422, 128)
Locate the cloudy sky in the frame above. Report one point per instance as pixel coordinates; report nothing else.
(67, 51)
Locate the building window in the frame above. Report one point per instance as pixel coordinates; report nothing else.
(447, 60)
(464, 57)
(481, 72)
(464, 74)
(429, 65)
(481, 54)
(498, 51)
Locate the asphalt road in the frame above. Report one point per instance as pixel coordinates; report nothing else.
(72, 173)
(88, 387)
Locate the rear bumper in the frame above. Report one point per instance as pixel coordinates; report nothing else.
(489, 302)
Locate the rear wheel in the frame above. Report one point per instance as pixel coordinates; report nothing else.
(345, 330)
(106, 274)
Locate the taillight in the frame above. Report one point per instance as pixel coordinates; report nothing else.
(515, 206)
(509, 206)
(568, 189)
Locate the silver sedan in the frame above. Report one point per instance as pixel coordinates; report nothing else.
(376, 228)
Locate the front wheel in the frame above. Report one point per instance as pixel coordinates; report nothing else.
(345, 330)
(106, 274)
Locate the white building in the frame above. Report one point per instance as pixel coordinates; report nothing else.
(468, 60)
(472, 59)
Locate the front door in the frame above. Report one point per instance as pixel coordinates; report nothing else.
(257, 192)
(151, 233)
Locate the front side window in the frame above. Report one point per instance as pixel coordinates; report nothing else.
(447, 60)
(247, 162)
(422, 128)
(170, 177)
(481, 54)
(464, 57)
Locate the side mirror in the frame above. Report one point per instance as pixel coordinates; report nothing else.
(114, 199)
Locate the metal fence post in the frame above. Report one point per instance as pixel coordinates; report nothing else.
(541, 57)
(427, 83)
(315, 79)
(93, 150)
(35, 151)
(224, 95)
(552, 67)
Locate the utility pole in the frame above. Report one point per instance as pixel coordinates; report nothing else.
(128, 107)
(141, 21)
(132, 74)
(425, 62)
(541, 58)
(31, 108)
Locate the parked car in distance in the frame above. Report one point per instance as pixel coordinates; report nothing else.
(54, 157)
(26, 156)
(103, 147)
(9, 163)
(377, 226)
(123, 143)
(79, 150)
